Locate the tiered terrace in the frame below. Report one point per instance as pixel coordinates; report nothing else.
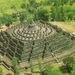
(27, 42)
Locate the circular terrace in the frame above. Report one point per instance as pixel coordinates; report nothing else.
(32, 31)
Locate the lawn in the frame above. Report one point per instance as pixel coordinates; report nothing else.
(67, 26)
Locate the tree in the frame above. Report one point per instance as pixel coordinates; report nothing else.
(1, 71)
(31, 67)
(16, 71)
(41, 14)
(50, 70)
(0, 21)
(14, 17)
(7, 19)
(21, 18)
(24, 15)
(13, 6)
(15, 65)
(48, 2)
(53, 14)
(32, 2)
(73, 71)
(15, 61)
(23, 5)
(40, 65)
(68, 61)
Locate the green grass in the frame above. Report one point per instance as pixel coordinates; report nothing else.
(68, 26)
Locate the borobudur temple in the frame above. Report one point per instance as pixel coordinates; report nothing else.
(29, 40)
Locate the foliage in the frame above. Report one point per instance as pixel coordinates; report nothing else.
(40, 64)
(59, 10)
(23, 5)
(64, 69)
(16, 71)
(73, 71)
(41, 14)
(31, 67)
(22, 17)
(15, 61)
(1, 71)
(50, 70)
(14, 17)
(15, 66)
(7, 19)
(0, 20)
(68, 61)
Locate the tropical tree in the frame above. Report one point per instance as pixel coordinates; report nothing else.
(54, 13)
(22, 16)
(41, 14)
(15, 61)
(31, 67)
(14, 17)
(73, 71)
(50, 70)
(7, 19)
(0, 21)
(16, 71)
(68, 61)
(1, 71)
(23, 5)
(15, 66)
(40, 65)
(25, 16)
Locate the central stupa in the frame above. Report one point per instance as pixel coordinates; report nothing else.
(32, 31)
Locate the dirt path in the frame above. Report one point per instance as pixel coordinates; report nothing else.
(4, 28)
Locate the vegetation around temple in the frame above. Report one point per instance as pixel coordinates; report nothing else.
(67, 68)
(21, 11)
(25, 10)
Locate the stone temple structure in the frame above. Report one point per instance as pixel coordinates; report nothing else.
(30, 40)
(32, 31)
